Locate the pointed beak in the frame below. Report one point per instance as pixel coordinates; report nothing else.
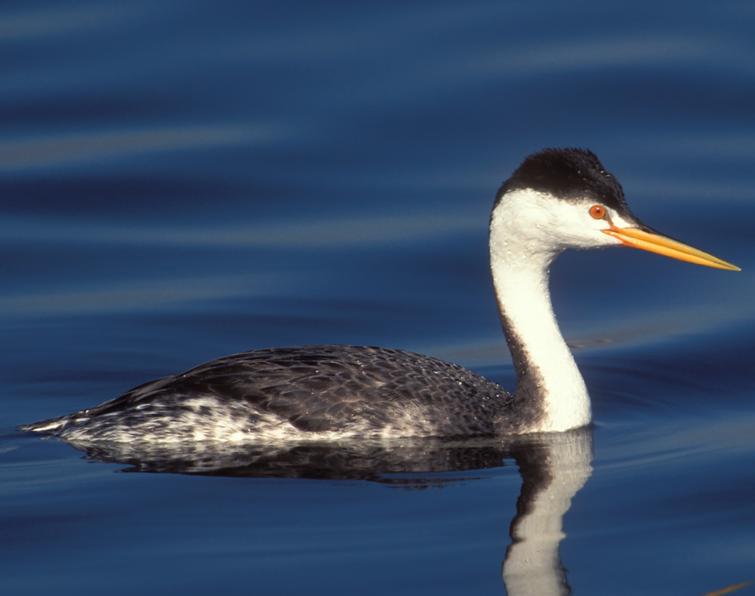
(662, 245)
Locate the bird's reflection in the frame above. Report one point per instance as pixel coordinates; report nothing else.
(553, 468)
(409, 463)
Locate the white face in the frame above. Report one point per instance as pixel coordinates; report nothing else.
(544, 223)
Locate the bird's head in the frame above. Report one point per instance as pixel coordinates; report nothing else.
(565, 198)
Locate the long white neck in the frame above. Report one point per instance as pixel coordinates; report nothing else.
(551, 393)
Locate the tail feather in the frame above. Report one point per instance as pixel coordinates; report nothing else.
(50, 425)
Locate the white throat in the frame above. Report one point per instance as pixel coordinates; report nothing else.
(557, 398)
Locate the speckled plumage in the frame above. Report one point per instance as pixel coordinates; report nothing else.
(315, 392)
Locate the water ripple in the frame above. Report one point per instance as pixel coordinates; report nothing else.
(63, 19)
(136, 295)
(333, 232)
(41, 151)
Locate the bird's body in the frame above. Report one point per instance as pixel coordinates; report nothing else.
(313, 392)
(556, 199)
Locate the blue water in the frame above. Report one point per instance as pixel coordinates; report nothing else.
(180, 181)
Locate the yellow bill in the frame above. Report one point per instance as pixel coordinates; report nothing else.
(637, 238)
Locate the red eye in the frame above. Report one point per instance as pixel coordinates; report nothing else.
(598, 212)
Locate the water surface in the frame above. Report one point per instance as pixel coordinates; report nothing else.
(180, 181)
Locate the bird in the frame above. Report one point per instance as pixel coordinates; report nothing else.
(557, 198)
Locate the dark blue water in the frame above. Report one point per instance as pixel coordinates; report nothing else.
(180, 181)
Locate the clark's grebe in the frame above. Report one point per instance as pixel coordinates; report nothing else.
(556, 199)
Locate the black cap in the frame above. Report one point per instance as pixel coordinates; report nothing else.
(568, 174)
